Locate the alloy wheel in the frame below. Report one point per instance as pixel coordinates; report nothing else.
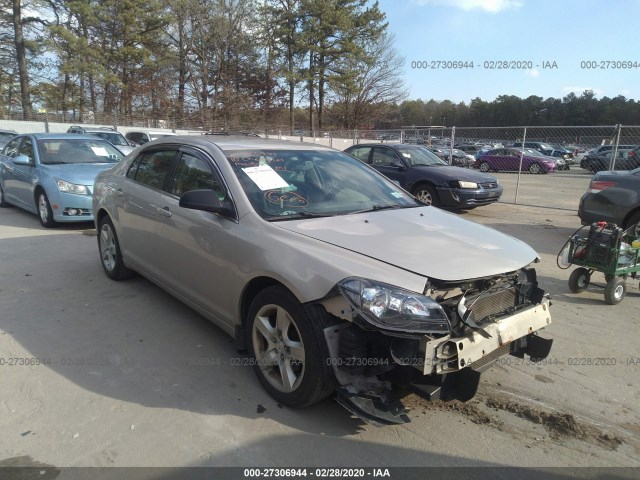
(278, 348)
(107, 247)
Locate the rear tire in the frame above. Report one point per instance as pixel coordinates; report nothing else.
(579, 280)
(110, 254)
(615, 290)
(634, 220)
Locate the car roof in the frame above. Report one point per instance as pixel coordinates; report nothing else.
(151, 131)
(61, 136)
(386, 144)
(100, 129)
(241, 142)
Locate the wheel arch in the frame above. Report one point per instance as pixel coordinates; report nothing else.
(99, 215)
(36, 190)
(630, 215)
(251, 289)
(423, 182)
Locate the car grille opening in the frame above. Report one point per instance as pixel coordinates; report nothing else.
(489, 305)
(489, 185)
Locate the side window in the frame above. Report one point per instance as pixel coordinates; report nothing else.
(361, 153)
(194, 174)
(11, 149)
(153, 168)
(134, 137)
(383, 157)
(27, 149)
(142, 138)
(131, 173)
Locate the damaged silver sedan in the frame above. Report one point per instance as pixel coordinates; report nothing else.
(332, 278)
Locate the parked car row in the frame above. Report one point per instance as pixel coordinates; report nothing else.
(305, 255)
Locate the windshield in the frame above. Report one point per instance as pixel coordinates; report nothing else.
(112, 138)
(61, 151)
(286, 184)
(419, 156)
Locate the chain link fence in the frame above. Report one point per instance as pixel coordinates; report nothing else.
(538, 166)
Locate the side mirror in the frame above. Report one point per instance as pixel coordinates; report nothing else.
(21, 160)
(207, 201)
(398, 164)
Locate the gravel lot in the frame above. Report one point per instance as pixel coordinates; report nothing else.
(134, 378)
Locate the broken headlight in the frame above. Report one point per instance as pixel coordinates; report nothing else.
(392, 308)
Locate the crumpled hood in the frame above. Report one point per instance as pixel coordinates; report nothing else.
(423, 240)
(78, 173)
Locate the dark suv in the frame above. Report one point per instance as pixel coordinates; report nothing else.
(109, 134)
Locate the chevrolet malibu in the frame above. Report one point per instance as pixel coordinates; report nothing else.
(331, 277)
(52, 175)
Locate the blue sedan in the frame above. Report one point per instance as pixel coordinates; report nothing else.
(52, 175)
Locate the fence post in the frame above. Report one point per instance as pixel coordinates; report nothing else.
(401, 135)
(46, 121)
(524, 139)
(453, 139)
(614, 150)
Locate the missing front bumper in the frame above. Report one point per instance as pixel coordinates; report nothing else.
(447, 355)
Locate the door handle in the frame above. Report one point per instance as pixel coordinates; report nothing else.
(119, 192)
(165, 212)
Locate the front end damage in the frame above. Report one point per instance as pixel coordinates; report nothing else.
(435, 344)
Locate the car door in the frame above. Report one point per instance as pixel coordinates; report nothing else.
(197, 249)
(25, 176)
(8, 168)
(388, 162)
(140, 209)
(505, 159)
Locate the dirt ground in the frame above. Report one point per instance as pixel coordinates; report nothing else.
(101, 373)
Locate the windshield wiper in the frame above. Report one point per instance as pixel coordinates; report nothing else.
(297, 215)
(376, 208)
(54, 163)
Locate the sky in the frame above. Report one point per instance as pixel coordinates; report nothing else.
(556, 42)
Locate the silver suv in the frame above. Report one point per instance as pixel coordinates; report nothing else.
(109, 134)
(140, 137)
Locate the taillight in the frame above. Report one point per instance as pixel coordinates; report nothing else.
(597, 186)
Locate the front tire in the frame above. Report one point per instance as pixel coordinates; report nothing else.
(426, 194)
(535, 168)
(45, 213)
(579, 280)
(287, 344)
(485, 167)
(110, 254)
